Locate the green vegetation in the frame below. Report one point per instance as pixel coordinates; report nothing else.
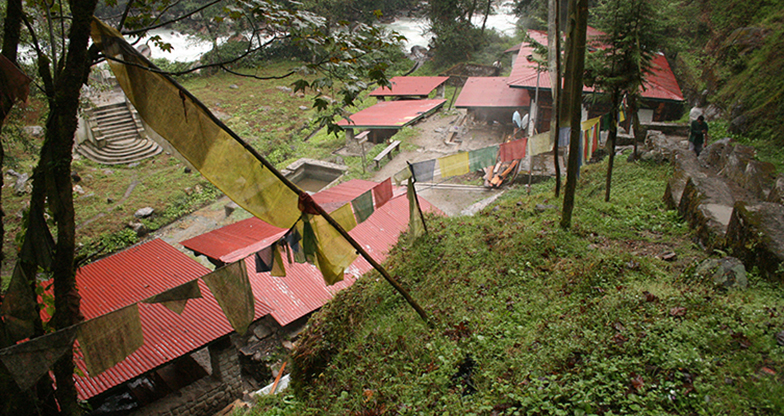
(530, 319)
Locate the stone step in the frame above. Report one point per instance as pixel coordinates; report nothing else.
(143, 149)
(115, 121)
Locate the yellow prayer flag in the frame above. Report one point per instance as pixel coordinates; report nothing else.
(587, 124)
(345, 217)
(454, 165)
(540, 143)
(188, 126)
(333, 253)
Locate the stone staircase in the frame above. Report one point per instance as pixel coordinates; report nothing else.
(116, 136)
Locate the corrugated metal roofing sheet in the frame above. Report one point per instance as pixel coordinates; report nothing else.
(392, 114)
(493, 92)
(136, 274)
(409, 86)
(225, 242)
(659, 85)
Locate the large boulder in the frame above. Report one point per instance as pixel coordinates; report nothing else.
(686, 166)
(725, 273)
(707, 205)
(756, 236)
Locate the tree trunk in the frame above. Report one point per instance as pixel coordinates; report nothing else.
(487, 13)
(636, 127)
(575, 64)
(611, 136)
(554, 61)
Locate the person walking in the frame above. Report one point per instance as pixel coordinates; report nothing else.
(698, 135)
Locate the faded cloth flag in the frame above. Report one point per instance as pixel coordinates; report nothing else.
(402, 176)
(231, 288)
(109, 339)
(18, 309)
(423, 171)
(363, 206)
(14, 86)
(29, 361)
(191, 129)
(514, 150)
(383, 192)
(454, 165)
(345, 217)
(540, 143)
(176, 298)
(416, 224)
(333, 252)
(482, 158)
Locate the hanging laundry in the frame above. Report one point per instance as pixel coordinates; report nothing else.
(191, 129)
(231, 288)
(345, 216)
(29, 361)
(109, 339)
(383, 192)
(16, 86)
(454, 165)
(482, 158)
(514, 150)
(423, 171)
(363, 206)
(176, 298)
(416, 224)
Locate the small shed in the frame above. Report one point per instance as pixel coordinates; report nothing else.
(491, 99)
(385, 118)
(411, 88)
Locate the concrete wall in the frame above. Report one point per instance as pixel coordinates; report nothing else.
(208, 395)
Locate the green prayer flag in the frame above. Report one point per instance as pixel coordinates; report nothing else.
(109, 339)
(482, 158)
(231, 288)
(29, 361)
(176, 298)
(18, 307)
(363, 206)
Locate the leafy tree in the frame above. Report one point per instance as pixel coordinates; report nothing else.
(622, 60)
(343, 59)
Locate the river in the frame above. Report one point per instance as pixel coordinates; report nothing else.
(187, 48)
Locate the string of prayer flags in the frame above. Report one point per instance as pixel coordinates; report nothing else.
(416, 224)
(382, 192)
(482, 158)
(176, 298)
(191, 129)
(231, 288)
(454, 165)
(423, 171)
(29, 361)
(109, 339)
(363, 206)
(513, 150)
(590, 137)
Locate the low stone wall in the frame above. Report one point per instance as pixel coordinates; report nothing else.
(208, 395)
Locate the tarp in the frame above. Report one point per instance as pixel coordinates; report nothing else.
(188, 127)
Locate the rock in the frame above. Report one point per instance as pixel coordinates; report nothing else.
(133, 165)
(669, 256)
(287, 345)
(109, 200)
(262, 331)
(21, 186)
(140, 229)
(35, 131)
(108, 172)
(143, 212)
(284, 89)
(544, 207)
(230, 208)
(78, 189)
(304, 108)
(234, 86)
(706, 204)
(75, 177)
(253, 339)
(197, 189)
(727, 272)
(739, 125)
(713, 112)
(756, 236)
(187, 170)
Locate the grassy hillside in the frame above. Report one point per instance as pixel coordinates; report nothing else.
(533, 320)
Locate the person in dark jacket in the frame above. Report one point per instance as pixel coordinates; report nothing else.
(698, 135)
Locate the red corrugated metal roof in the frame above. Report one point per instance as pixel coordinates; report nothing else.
(303, 290)
(136, 274)
(225, 242)
(660, 84)
(493, 92)
(409, 86)
(392, 114)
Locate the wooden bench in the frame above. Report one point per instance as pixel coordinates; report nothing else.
(395, 145)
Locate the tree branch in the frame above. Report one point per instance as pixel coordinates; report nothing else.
(138, 31)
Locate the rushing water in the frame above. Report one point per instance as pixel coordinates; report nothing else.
(186, 48)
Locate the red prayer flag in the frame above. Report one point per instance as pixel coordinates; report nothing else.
(514, 150)
(383, 192)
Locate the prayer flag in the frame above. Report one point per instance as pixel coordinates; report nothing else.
(191, 129)
(292, 240)
(482, 158)
(382, 192)
(363, 206)
(263, 260)
(454, 165)
(540, 143)
(333, 252)
(514, 150)
(109, 339)
(278, 268)
(416, 225)
(564, 136)
(231, 288)
(402, 176)
(590, 137)
(423, 171)
(18, 307)
(345, 216)
(29, 361)
(176, 298)
(15, 86)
